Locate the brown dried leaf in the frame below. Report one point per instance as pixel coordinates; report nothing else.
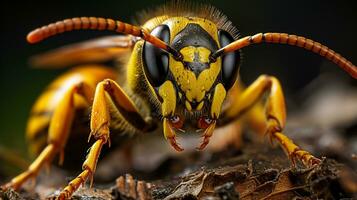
(203, 183)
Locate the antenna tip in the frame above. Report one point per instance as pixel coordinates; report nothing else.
(34, 36)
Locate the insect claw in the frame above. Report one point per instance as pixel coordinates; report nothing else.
(204, 143)
(314, 161)
(171, 135)
(174, 144)
(206, 136)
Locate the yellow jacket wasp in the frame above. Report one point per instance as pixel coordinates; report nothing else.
(183, 68)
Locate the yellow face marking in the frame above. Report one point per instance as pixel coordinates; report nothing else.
(188, 106)
(168, 94)
(218, 98)
(194, 87)
(200, 106)
(195, 54)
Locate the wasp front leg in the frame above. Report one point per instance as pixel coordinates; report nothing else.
(275, 115)
(107, 93)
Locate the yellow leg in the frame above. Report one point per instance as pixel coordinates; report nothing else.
(59, 128)
(231, 134)
(275, 115)
(89, 166)
(100, 123)
(254, 117)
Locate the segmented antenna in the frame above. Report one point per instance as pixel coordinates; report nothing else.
(294, 40)
(96, 23)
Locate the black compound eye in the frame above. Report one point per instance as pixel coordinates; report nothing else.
(156, 60)
(230, 61)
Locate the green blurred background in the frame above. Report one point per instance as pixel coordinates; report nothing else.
(331, 23)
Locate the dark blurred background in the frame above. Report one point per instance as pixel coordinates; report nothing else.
(332, 23)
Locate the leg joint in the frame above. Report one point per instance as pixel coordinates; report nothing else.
(107, 84)
(268, 80)
(273, 125)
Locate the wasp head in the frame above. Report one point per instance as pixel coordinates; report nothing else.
(190, 84)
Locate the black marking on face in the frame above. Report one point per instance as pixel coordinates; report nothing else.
(194, 35)
(196, 67)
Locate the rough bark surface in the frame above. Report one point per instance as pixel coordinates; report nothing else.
(254, 173)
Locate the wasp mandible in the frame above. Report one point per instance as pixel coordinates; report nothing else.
(181, 75)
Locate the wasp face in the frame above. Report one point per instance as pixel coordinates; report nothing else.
(193, 87)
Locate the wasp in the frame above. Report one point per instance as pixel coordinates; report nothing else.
(182, 75)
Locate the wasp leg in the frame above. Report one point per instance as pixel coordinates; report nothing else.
(275, 115)
(231, 134)
(58, 132)
(106, 92)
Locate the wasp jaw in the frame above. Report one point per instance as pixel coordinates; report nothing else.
(174, 144)
(204, 143)
(170, 135)
(207, 135)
